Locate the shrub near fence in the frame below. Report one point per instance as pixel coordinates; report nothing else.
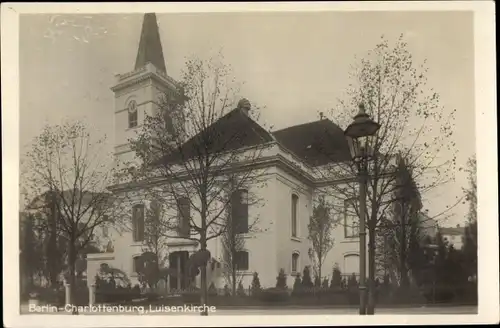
(118, 294)
(274, 295)
(107, 291)
(340, 294)
(320, 296)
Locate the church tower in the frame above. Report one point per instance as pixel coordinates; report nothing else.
(138, 92)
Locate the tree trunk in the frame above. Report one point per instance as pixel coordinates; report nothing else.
(371, 265)
(319, 273)
(404, 273)
(203, 273)
(362, 241)
(320, 264)
(72, 280)
(233, 277)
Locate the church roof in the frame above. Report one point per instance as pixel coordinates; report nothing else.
(232, 131)
(150, 49)
(317, 143)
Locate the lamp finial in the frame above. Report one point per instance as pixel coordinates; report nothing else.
(362, 108)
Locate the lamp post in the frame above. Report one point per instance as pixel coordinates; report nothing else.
(360, 136)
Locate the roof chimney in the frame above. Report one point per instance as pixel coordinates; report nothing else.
(245, 106)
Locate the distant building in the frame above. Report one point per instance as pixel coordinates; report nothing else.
(453, 235)
(428, 225)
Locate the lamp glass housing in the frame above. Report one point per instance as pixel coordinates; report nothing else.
(361, 147)
(361, 136)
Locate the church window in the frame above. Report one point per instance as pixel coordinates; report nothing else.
(184, 216)
(132, 114)
(239, 211)
(295, 262)
(295, 202)
(138, 222)
(351, 220)
(351, 264)
(138, 264)
(241, 260)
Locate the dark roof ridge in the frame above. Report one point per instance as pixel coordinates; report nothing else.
(309, 123)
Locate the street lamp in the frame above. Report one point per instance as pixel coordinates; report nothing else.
(360, 136)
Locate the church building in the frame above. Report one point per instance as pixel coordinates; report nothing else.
(292, 158)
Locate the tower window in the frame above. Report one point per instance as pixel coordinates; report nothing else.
(169, 122)
(132, 114)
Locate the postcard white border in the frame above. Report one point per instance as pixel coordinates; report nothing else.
(486, 143)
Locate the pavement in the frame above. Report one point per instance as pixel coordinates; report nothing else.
(422, 310)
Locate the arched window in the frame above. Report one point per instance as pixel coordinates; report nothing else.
(132, 114)
(241, 260)
(184, 216)
(351, 264)
(295, 202)
(138, 222)
(295, 262)
(239, 211)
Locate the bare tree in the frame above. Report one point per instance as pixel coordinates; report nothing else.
(68, 170)
(471, 191)
(154, 248)
(414, 127)
(470, 233)
(320, 229)
(31, 256)
(193, 148)
(232, 240)
(232, 243)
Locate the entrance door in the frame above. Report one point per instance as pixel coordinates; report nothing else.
(178, 262)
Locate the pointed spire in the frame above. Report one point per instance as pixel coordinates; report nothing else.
(150, 50)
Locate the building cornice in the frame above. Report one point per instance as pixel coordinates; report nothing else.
(279, 160)
(145, 73)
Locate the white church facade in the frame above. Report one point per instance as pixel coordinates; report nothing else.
(291, 159)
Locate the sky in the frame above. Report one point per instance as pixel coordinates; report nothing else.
(295, 64)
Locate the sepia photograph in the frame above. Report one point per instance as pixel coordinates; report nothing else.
(290, 164)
